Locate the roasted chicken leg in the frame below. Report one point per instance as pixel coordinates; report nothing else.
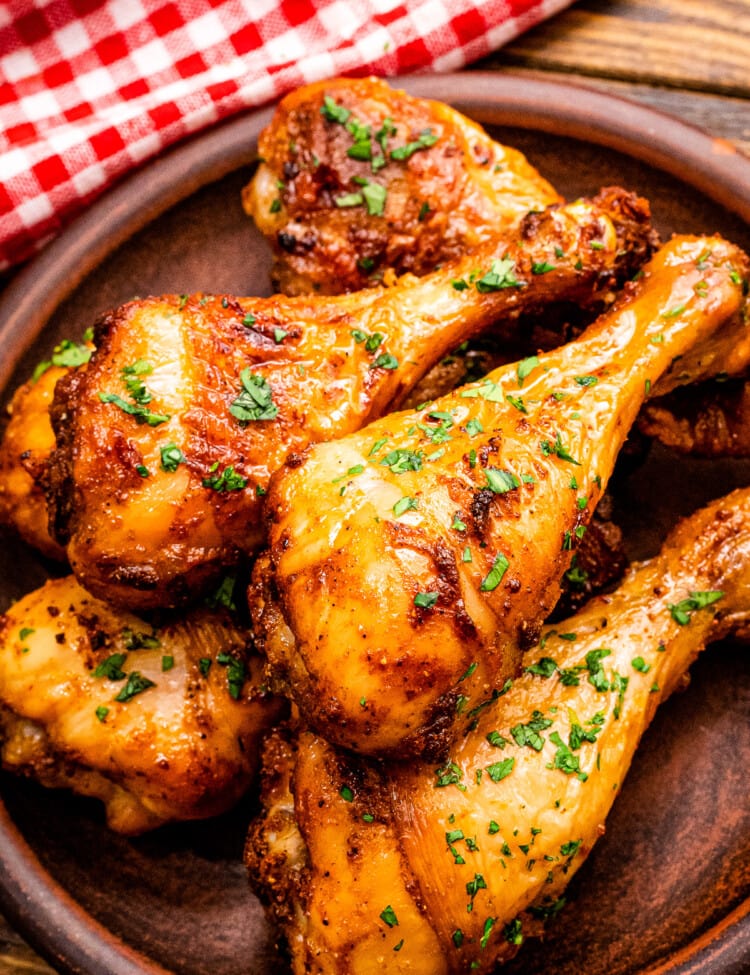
(359, 180)
(159, 723)
(167, 439)
(411, 563)
(435, 870)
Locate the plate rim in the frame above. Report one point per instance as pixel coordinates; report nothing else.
(50, 919)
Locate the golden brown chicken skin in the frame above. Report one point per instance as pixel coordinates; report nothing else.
(410, 867)
(714, 422)
(167, 440)
(411, 562)
(160, 723)
(359, 180)
(28, 441)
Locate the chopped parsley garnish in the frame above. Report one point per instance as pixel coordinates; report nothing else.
(425, 600)
(334, 112)
(401, 461)
(255, 402)
(474, 427)
(167, 662)
(500, 770)
(424, 141)
(111, 668)
(139, 413)
(405, 504)
(682, 612)
(346, 793)
(565, 760)
(501, 481)
(385, 361)
(236, 672)
(449, 774)
(525, 367)
(498, 277)
(137, 640)
(586, 380)
(558, 450)
(495, 576)
(101, 713)
(542, 267)
(136, 684)
(227, 480)
(388, 916)
(517, 402)
(67, 354)
(204, 665)
(171, 457)
(528, 734)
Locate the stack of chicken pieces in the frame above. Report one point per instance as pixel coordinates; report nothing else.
(423, 725)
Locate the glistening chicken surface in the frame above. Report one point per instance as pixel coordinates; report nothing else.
(189, 404)
(395, 867)
(410, 564)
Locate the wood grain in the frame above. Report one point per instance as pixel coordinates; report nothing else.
(686, 44)
(688, 58)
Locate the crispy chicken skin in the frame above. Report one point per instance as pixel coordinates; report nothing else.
(442, 186)
(433, 870)
(715, 423)
(229, 387)
(410, 564)
(184, 746)
(26, 446)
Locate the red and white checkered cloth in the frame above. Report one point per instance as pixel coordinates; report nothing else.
(90, 89)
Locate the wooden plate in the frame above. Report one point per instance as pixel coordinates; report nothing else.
(668, 889)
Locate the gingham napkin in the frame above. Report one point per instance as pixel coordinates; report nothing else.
(90, 89)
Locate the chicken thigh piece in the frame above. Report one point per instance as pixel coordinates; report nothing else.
(359, 180)
(160, 723)
(166, 441)
(411, 563)
(408, 867)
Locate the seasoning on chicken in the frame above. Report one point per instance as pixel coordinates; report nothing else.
(358, 180)
(373, 867)
(715, 423)
(160, 723)
(410, 563)
(167, 440)
(27, 443)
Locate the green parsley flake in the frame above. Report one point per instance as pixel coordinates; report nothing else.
(500, 770)
(346, 793)
(388, 916)
(255, 402)
(424, 141)
(494, 577)
(425, 600)
(501, 481)
(525, 367)
(334, 112)
(111, 668)
(101, 713)
(682, 612)
(171, 457)
(236, 673)
(500, 276)
(227, 480)
(136, 684)
(405, 504)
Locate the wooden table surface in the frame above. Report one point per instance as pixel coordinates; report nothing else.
(690, 58)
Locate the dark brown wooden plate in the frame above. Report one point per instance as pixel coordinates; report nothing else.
(668, 889)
